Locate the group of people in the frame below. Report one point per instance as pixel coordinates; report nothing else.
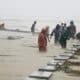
(61, 34)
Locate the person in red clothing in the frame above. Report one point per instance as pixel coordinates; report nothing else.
(42, 41)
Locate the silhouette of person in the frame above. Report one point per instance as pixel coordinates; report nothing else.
(33, 27)
(56, 33)
(64, 37)
(42, 41)
(72, 30)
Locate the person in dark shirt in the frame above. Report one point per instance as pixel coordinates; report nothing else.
(56, 33)
(33, 27)
(64, 37)
(72, 29)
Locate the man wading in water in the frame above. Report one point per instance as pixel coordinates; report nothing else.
(33, 27)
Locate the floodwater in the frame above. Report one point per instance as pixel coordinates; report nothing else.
(20, 57)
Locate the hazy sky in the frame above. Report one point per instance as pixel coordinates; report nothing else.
(38, 8)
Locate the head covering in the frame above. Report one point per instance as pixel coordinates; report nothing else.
(47, 27)
(43, 31)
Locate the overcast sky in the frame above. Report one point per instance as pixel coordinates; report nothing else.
(38, 8)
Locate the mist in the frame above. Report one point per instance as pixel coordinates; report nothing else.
(40, 8)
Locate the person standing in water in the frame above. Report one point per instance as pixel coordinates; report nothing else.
(42, 41)
(56, 33)
(64, 37)
(33, 27)
(72, 29)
